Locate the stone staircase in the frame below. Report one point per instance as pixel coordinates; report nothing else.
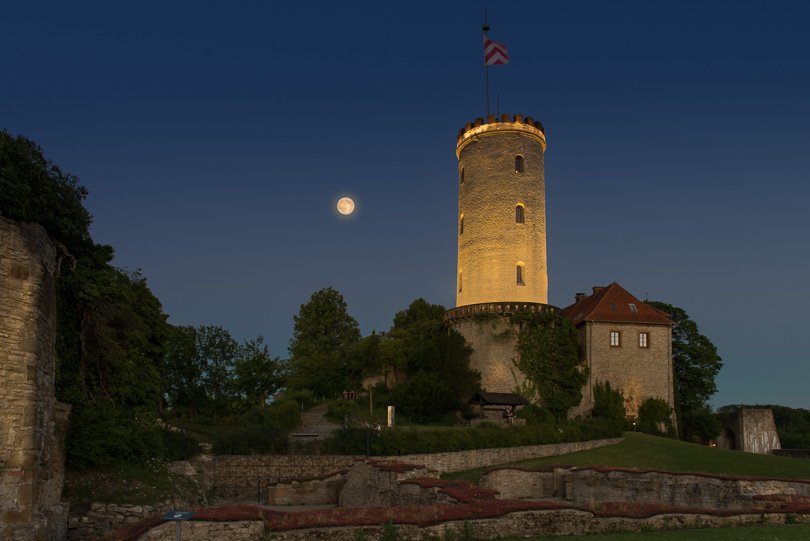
(314, 426)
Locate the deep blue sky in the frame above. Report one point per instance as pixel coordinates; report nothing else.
(216, 138)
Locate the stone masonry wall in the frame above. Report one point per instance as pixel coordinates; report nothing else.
(479, 458)
(31, 457)
(493, 343)
(640, 373)
(244, 477)
(587, 486)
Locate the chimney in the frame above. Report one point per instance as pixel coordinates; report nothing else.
(579, 297)
(597, 289)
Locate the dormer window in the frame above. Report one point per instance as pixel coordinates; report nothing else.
(632, 306)
(613, 307)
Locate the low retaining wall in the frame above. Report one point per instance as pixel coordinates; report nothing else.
(518, 524)
(242, 530)
(307, 491)
(235, 477)
(588, 486)
(792, 453)
(95, 520)
(480, 458)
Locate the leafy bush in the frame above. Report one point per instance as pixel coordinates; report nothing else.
(652, 414)
(424, 397)
(608, 403)
(177, 445)
(413, 440)
(536, 415)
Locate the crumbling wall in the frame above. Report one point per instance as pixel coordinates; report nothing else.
(752, 430)
(31, 421)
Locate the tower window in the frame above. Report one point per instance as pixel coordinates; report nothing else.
(615, 339)
(461, 225)
(461, 176)
(459, 281)
(519, 275)
(518, 164)
(643, 340)
(520, 214)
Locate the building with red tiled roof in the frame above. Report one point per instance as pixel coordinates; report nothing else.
(626, 342)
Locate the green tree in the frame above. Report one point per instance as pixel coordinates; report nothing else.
(324, 335)
(217, 352)
(548, 349)
(111, 330)
(420, 344)
(695, 365)
(183, 371)
(259, 376)
(34, 189)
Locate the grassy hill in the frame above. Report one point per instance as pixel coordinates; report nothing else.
(643, 451)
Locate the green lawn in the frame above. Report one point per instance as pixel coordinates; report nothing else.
(656, 453)
(786, 532)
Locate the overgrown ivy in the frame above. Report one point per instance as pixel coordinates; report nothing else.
(548, 349)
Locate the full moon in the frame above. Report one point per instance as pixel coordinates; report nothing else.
(345, 205)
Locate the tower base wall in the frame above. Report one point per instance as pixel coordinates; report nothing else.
(494, 351)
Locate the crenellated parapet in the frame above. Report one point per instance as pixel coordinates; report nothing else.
(505, 123)
(471, 311)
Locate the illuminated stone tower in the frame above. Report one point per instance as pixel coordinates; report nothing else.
(501, 240)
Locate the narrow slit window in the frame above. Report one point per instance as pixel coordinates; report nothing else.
(615, 339)
(461, 176)
(459, 281)
(519, 275)
(520, 214)
(461, 225)
(518, 164)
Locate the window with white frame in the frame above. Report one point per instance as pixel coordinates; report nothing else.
(615, 339)
(643, 339)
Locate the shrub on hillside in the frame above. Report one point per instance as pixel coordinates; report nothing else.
(177, 445)
(608, 403)
(654, 414)
(414, 440)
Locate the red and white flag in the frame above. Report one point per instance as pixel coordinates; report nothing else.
(495, 53)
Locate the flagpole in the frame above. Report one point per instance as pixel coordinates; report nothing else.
(485, 28)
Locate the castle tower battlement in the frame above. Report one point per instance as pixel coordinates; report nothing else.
(501, 212)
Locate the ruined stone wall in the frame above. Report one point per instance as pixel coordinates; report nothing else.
(758, 431)
(31, 422)
(640, 373)
(586, 486)
(246, 477)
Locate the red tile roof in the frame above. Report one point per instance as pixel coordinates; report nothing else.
(612, 304)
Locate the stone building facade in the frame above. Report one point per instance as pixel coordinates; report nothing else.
(32, 423)
(625, 342)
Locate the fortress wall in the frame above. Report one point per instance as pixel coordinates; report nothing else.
(31, 422)
(758, 431)
(493, 342)
(640, 373)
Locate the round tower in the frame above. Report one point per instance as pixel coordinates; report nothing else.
(501, 212)
(501, 241)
